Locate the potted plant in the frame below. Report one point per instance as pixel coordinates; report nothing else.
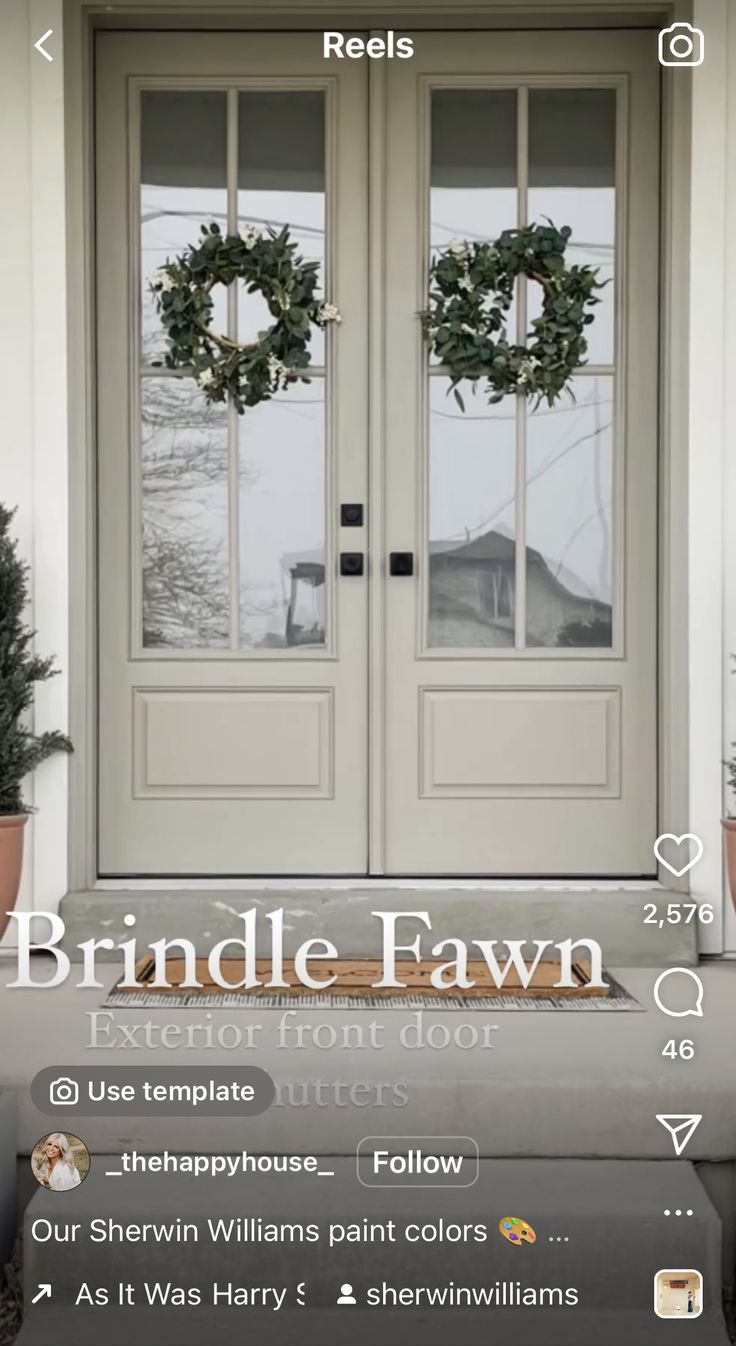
(21, 751)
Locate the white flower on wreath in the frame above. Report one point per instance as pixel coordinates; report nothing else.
(328, 313)
(278, 375)
(458, 249)
(251, 236)
(465, 283)
(526, 373)
(163, 279)
(206, 377)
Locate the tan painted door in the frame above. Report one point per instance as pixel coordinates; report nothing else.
(232, 665)
(520, 688)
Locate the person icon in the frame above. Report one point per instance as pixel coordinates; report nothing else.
(346, 1295)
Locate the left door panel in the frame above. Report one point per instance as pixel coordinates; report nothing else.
(232, 654)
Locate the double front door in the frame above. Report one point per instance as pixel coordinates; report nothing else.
(360, 629)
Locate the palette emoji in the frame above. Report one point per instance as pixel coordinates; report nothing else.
(516, 1231)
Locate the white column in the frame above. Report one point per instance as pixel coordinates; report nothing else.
(33, 392)
(50, 447)
(707, 443)
(16, 477)
(728, 508)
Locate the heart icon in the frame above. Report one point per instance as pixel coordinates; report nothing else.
(686, 836)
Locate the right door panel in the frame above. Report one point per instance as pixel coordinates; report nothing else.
(521, 675)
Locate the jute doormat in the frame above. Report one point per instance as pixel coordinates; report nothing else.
(354, 988)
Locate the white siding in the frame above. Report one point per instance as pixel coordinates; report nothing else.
(33, 439)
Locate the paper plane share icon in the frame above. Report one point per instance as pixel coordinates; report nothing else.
(681, 1126)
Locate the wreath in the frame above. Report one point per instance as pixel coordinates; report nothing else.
(471, 286)
(247, 372)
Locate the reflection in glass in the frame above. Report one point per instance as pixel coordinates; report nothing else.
(471, 519)
(570, 519)
(572, 175)
(473, 176)
(282, 520)
(184, 517)
(473, 170)
(281, 180)
(183, 185)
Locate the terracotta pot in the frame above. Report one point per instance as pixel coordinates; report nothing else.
(11, 862)
(729, 840)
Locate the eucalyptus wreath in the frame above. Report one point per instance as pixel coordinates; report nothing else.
(247, 372)
(471, 287)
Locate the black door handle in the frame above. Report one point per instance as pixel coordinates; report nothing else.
(351, 516)
(401, 563)
(351, 563)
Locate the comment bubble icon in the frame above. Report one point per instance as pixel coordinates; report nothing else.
(674, 997)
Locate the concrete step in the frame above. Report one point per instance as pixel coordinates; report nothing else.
(333, 1327)
(600, 1228)
(8, 1174)
(564, 1085)
(612, 916)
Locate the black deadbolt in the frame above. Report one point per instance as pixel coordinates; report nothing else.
(351, 516)
(351, 563)
(401, 563)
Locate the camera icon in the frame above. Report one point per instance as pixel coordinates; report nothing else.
(63, 1093)
(681, 44)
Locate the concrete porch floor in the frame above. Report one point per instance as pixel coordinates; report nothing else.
(559, 1085)
(328, 1327)
(567, 1087)
(611, 1213)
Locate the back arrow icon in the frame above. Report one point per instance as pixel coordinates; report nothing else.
(40, 47)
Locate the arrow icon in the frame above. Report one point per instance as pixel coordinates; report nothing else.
(681, 1126)
(40, 47)
(44, 1292)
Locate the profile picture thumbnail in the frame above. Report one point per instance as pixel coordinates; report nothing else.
(60, 1161)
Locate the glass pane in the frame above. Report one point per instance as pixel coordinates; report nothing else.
(184, 515)
(282, 520)
(473, 172)
(472, 488)
(473, 177)
(570, 519)
(572, 160)
(281, 180)
(183, 185)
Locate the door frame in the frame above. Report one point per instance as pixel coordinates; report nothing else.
(676, 777)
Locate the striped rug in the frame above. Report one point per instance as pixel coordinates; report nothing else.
(354, 988)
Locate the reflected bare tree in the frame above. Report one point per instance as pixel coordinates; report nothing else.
(184, 455)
